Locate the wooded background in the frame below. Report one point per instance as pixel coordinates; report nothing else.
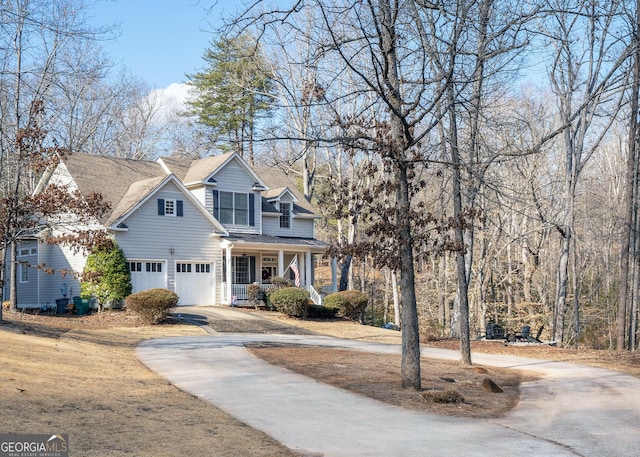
(489, 145)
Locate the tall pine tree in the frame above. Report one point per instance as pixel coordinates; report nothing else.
(232, 93)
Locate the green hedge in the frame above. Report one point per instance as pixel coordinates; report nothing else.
(350, 304)
(153, 305)
(291, 301)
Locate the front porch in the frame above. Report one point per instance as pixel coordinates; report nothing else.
(256, 259)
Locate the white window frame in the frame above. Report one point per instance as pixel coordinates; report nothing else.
(234, 209)
(288, 207)
(170, 207)
(241, 273)
(24, 273)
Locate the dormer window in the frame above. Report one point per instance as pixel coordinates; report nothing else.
(234, 208)
(285, 215)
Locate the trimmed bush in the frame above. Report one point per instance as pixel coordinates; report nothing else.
(322, 312)
(350, 303)
(152, 305)
(280, 283)
(291, 301)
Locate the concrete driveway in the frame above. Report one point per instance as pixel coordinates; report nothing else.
(572, 411)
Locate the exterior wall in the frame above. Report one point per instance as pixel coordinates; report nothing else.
(202, 194)
(42, 288)
(300, 228)
(234, 178)
(152, 237)
(60, 258)
(27, 290)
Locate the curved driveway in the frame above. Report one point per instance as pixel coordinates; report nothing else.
(572, 410)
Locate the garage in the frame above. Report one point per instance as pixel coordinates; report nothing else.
(147, 274)
(195, 283)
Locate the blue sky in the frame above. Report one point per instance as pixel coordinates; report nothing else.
(161, 40)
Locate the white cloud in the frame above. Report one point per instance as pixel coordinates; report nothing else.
(169, 101)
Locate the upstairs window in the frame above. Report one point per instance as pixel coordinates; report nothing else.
(234, 208)
(170, 207)
(226, 207)
(285, 215)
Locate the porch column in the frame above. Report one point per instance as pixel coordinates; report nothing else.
(307, 269)
(281, 263)
(227, 299)
(334, 274)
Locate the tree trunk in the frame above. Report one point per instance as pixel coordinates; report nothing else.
(561, 286)
(442, 294)
(13, 286)
(630, 194)
(462, 297)
(396, 300)
(399, 144)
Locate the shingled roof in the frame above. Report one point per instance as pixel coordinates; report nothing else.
(277, 180)
(109, 176)
(125, 182)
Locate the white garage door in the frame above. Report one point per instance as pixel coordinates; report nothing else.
(146, 274)
(195, 283)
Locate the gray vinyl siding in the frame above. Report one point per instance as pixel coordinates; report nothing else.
(27, 291)
(300, 228)
(63, 259)
(234, 178)
(201, 194)
(151, 236)
(44, 288)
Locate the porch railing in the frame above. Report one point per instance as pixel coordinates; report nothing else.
(239, 291)
(315, 296)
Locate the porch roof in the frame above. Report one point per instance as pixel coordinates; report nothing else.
(249, 241)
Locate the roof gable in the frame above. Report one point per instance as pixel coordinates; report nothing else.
(199, 171)
(141, 192)
(279, 193)
(278, 182)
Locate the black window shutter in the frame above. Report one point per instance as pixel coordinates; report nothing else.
(160, 207)
(179, 212)
(252, 210)
(252, 269)
(216, 205)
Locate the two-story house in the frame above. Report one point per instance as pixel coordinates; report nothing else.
(203, 228)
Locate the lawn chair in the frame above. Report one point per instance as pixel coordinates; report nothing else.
(536, 339)
(494, 331)
(525, 335)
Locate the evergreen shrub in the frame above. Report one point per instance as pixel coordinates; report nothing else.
(106, 277)
(350, 304)
(291, 301)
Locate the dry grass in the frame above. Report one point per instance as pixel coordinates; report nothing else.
(79, 375)
(60, 376)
